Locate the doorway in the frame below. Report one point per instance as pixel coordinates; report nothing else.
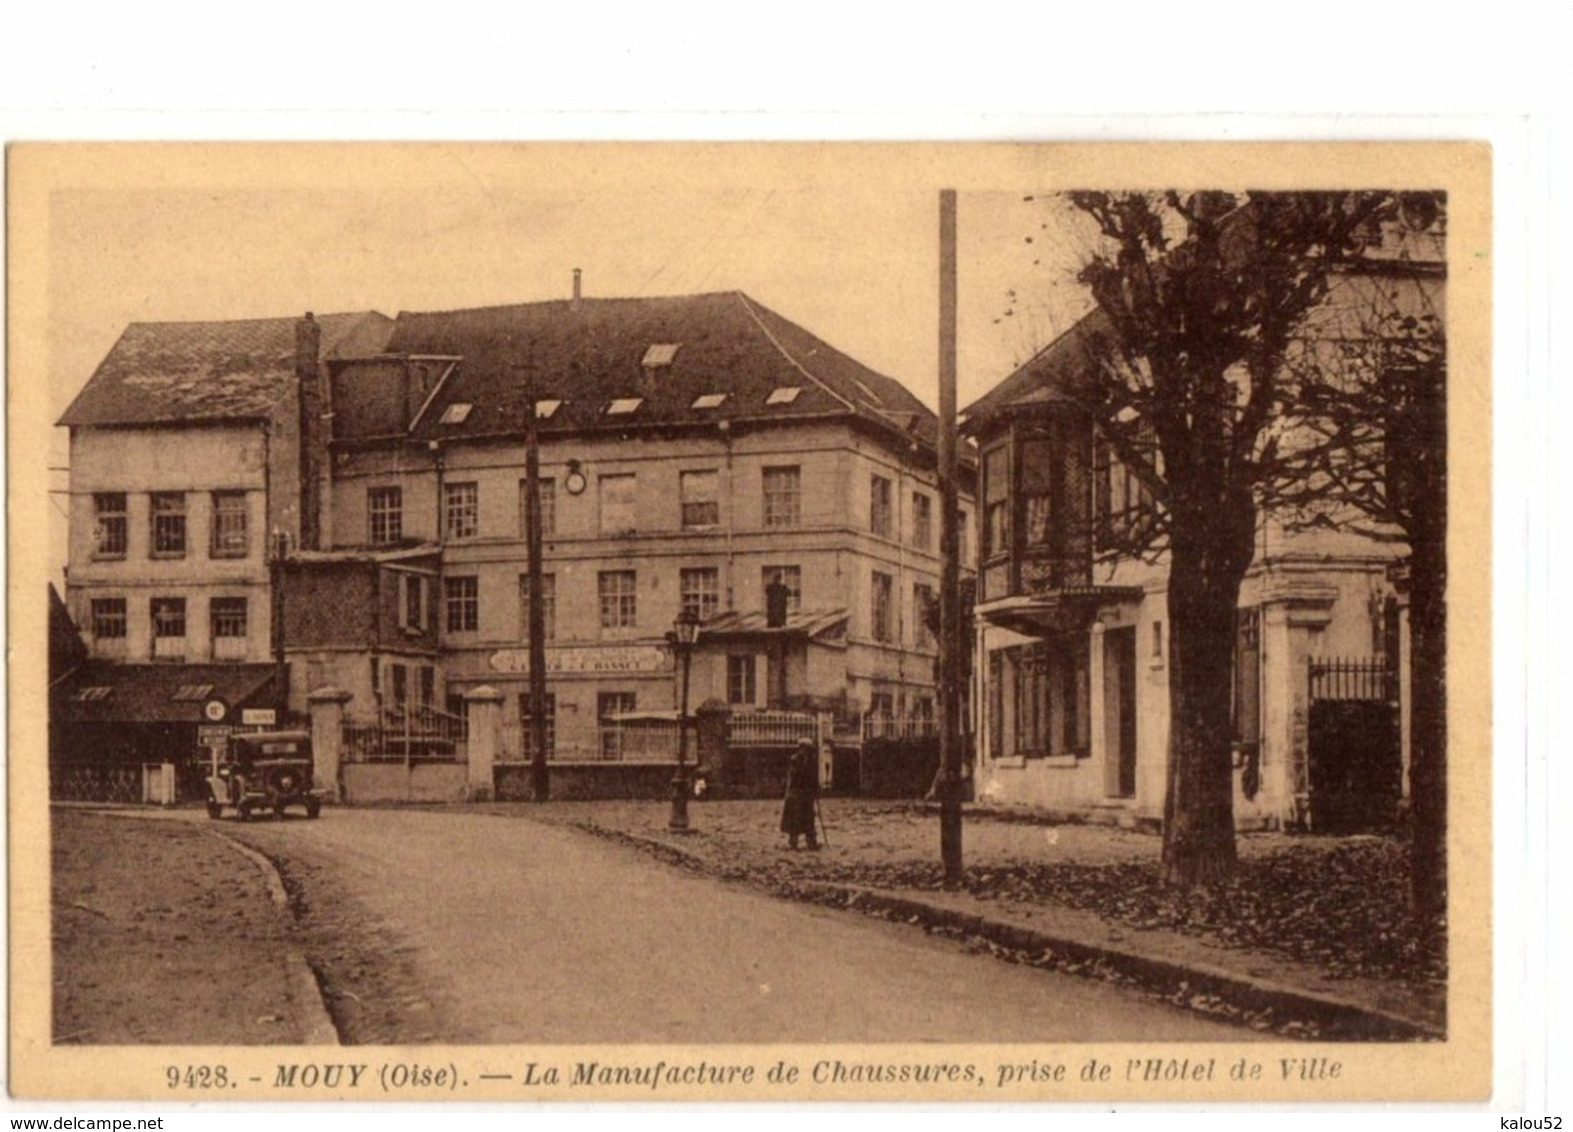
(1119, 698)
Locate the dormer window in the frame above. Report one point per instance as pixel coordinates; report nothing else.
(660, 354)
(456, 414)
(623, 406)
(784, 395)
(545, 409)
(708, 401)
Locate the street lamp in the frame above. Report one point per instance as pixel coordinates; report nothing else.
(681, 640)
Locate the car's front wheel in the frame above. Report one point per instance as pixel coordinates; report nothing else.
(313, 809)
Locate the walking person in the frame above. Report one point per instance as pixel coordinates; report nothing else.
(802, 796)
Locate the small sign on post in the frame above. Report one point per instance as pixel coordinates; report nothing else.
(259, 717)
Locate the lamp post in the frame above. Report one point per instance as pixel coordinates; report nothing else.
(681, 640)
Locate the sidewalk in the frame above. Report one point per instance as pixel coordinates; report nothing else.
(1308, 942)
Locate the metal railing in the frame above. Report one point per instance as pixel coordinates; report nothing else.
(1353, 678)
(771, 728)
(403, 735)
(900, 727)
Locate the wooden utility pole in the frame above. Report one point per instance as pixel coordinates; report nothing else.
(950, 627)
(540, 788)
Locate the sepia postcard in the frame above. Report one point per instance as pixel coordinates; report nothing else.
(750, 622)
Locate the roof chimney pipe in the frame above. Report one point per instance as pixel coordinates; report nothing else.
(576, 275)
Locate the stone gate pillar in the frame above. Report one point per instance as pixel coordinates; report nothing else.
(326, 706)
(483, 706)
(1293, 611)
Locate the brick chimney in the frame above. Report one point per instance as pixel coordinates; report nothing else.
(576, 278)
(313, 442)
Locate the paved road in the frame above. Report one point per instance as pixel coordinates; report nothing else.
(524, 932)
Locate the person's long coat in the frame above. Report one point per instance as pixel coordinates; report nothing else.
(797, 813)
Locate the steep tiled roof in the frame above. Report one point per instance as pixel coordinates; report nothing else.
(1046, 376)
(593, 353)
(167, 372)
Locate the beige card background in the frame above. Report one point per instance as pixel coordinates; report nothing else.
(1455, 1070)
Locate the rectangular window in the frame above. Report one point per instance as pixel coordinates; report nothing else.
(882, 614)
(740, 682)
(700, 493)
(1038, 474)
(548, 607)
(413, 606)
(619, 604)
(1032, 707)
(608, 705)
(783, 492)
(925, 615)
(463, 600)
(385, 515)
(527, 745)
(231, 538)
(426, 690)
(792, 578)
(548, 507)
(460, 510)
(619, 514)
(922, 521)
(109, 618)
(880, 520)
(169, 524)
(169, 628)
(109, 525)
(227, 616)
(701, 591)
(401, 684)
(996, 501)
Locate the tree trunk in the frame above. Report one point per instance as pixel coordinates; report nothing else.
(1209, 557)
(1428, 719)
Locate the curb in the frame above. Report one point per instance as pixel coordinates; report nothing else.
(306, 992)
(1338, 1018)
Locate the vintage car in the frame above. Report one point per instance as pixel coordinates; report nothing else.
(263, 770)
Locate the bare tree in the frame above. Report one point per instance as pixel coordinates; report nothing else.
(1201, 300)
(1369, 455)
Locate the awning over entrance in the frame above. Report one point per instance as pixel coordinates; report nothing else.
(160, 693)
(823, 626)
(1055, 611)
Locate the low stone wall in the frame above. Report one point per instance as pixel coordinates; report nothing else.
(395, 782)
(587, 781)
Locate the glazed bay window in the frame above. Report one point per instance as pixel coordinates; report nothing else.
(882, 614)
(783, 496)
(462, 599)
(548, 607)
(227, 622)
(548, 507)
(384, 515)
(619, 602)
(880, 518)
(460, 510)
(789, 576)
(619, 504)
(169, 524)
(996, 501)
(169, 628)
(231, 536)
(701, 591)
(700, 492)
(109, 525)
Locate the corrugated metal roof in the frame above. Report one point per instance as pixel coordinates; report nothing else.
(808, 623)
(155, 693)
(173, 372)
